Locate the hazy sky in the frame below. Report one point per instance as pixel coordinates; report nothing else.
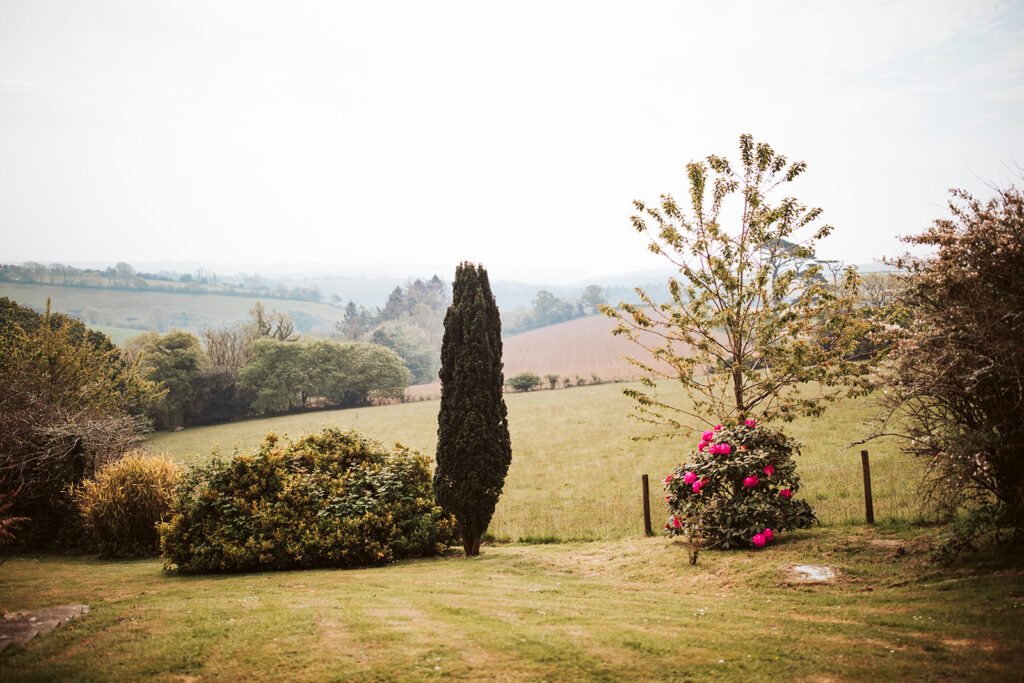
(418, 134)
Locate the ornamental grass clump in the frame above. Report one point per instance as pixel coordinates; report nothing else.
(737, 490)
(333, 499)
(123, 504)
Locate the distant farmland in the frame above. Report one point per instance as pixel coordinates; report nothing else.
(163, 311)
(582, 347)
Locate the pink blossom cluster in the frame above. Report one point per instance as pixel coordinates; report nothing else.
(753, 480)
(691, 478)
(759, 540)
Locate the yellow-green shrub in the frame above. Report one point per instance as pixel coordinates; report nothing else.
(122, 505)
(332, 499)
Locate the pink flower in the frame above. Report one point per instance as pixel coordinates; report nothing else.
(708, 435)
(768, 534)
(758, 540)
(689, 478)
(750, 481)
(717, 427)
(725, 449)
(769, 470)
(749, 422)
(696, 486)
(668, 479)
(785, 493)
(741, 448)
(676, 523)
(704, 481)
(700, 448)
(668, 498)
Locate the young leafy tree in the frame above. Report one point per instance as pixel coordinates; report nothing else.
(473, 445)
(174, 361)
(745, 337)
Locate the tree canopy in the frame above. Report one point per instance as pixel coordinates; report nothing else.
(474, 449)
(751, 329)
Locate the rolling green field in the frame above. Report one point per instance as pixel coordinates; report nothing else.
(117, 334)
(575, 472)
(159, 311)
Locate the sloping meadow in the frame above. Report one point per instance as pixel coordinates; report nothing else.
(575, 472)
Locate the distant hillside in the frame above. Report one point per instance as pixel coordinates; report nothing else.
(164, 311)
(582, 347)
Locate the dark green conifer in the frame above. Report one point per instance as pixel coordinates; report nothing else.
(473, 445)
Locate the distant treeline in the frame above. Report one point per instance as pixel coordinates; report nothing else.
(548, 309)
(262, 366)
(259, 367)
(124, 276)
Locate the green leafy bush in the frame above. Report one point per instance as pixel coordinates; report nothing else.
(524, 381)
(122, 505)
(333, 499)
(737, 490)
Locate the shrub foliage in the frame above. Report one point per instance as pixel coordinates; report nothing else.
(333, 499)
(737, 490)
(126, 500)
(956, 378)
(68, 403)
(524, 381)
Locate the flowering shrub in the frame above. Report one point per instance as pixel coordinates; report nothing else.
(737, 490)
(333, 499)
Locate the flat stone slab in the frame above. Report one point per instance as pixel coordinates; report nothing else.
(21, 627)
(809, 574)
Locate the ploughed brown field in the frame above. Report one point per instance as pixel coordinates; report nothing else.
(583, 347)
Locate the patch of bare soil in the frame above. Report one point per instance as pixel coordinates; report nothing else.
(582, 347)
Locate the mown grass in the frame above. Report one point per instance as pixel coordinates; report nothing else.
(610, 610)
(575, 472)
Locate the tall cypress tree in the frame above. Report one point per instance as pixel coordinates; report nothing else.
(473, 445)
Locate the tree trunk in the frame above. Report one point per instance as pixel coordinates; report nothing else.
(470, 544)
(737, 387)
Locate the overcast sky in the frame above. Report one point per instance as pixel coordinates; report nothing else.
(409, 136)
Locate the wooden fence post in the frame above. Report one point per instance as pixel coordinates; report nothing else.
(869, 507)
(647, 506)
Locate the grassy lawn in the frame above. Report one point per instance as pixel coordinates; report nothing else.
(608, 610)
(575, 472)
